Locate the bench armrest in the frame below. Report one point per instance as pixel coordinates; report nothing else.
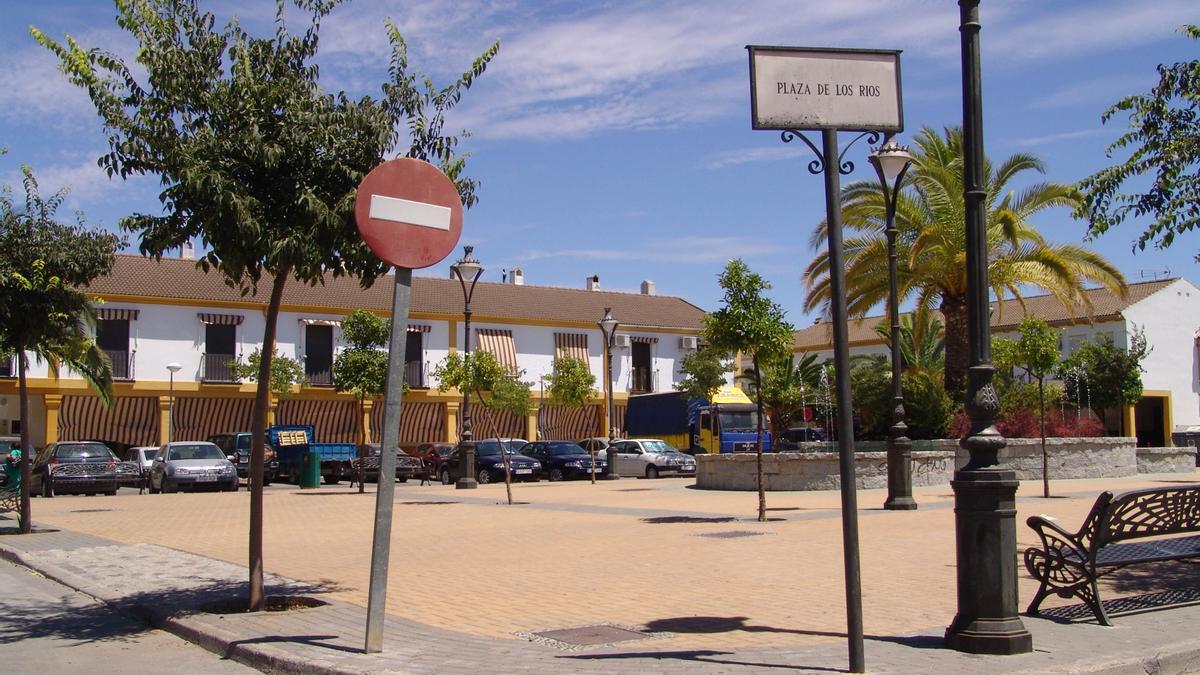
(1057, 542)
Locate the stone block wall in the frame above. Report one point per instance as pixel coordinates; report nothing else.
(1166, 460)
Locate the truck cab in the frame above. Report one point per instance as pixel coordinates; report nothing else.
(726, 423)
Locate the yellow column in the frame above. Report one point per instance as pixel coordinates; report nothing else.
(531, 427)
(365, 421)
(164, 419)
(272, 407)
(53, 405)
(452, 421)
(1129, 421)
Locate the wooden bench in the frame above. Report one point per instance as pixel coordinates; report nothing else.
(1069, 564)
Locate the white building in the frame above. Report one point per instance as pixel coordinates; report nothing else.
(1167, 312)
(156, 313)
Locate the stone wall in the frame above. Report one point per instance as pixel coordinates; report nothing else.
(934, 463)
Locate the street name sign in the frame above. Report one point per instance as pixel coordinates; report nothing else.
(409, 213)
(820, 88)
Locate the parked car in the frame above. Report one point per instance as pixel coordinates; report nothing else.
(489, 463)
(236, 447)
(597, 443)
(143, 456)
(791, 439)
(433, 454)
(407, 466)
(74, 467)
(191, 464)
(563, 459)
(651, 458)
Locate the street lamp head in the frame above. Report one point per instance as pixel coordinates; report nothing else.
(174, 367)
(468, 268)
(890, 160)
(608, 325)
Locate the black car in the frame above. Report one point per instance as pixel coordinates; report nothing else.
(74, 467)
(489, 463)
(564, 459)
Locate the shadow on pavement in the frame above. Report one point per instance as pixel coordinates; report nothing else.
(697, 655)
(65, 620)
(726, 624)
(321, 641)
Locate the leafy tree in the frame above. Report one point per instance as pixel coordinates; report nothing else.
(753, 324)
(928, 408)
(285, 374)
(703, 372)
(1112, 375)
(361, 368)
(43, 263)
(1036, 354)
(254, 157)
(922, 349)
(785, 381)
(931, 243)
(1164, 141)
(571, 383)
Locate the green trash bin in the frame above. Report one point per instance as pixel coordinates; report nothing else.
(310, 469)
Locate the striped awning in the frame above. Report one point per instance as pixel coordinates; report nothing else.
(419, 328)
(221, 319)
(198, 417)
(420, 422)
(320, 322)
(113, 314)
(487, 423)
(568, 423)
(500, 344)
(333, 421)
(573, 345)
(643, 339)
(619, 419)
(132, 420)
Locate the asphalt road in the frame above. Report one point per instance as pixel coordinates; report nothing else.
(48, 628)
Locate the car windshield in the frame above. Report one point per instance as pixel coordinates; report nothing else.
(483, 448)
(657, 446)
(196, 451)
(565, 449)
(739, 420)
(83, 451)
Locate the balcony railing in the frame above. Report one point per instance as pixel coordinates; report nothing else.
(217, 368)
(641, 381)
(322, 378)
(122, 363)
(414, 375)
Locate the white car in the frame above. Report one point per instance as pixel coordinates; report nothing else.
(143, 456)
(651, 458)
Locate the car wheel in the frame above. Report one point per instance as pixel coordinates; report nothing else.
(444, 476)
(111, 493)
(165, 487)
(651, 471)
(332, 480)
(150, 487)
(266, 481)
(555, 474)
(401, 480)
(484, 477)
(47, 487)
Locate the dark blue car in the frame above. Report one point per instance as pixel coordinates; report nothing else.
(489, 463)
(563, 459)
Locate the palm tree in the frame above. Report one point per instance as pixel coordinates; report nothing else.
(922, 348)
(931, 243)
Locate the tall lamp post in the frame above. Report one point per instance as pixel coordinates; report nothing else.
(467, 268)
(608, 326)
(891, 162)
(174, 368)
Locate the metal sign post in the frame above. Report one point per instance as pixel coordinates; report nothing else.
(410, 214)
(831, 90)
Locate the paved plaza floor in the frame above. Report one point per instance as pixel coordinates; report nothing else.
(692, 570)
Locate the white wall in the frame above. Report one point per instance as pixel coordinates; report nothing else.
(1170, 319)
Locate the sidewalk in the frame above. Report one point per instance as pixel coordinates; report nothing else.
(167, 586)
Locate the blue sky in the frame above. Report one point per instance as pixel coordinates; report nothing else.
(614, 138)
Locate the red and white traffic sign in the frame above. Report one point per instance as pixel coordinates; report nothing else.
(409, 213)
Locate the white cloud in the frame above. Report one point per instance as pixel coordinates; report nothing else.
(1060, 137)
(683, 250)
(729, 158)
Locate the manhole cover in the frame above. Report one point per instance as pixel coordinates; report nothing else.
(660, 520)
(733, 534)
(588, 636)
(91, 510)
(636, 490)
(427, 503)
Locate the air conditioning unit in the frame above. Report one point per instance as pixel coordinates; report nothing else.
(621, 341)
(688, 342)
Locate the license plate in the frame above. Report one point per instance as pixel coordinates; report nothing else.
(206, 479)
(523, 471)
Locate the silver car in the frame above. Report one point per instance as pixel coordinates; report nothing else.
(191, 464)
(143, 456)
(651, 458)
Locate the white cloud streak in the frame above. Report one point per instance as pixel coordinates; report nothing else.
(683, 250)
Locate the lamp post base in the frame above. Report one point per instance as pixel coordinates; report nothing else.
(985, 520)
(465, 483)
(899, 468)
(609, 476)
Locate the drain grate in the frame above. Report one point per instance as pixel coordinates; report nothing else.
(732, 534)
(586, 636)
(636, 490)
(427, 503)
(663, 520)
(91, 510)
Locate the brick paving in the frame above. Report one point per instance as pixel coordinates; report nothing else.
(471, 575)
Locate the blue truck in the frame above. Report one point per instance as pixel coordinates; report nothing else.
(293, 441)
(727, 423)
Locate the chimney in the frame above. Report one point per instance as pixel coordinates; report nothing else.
(593, 282)
(516, 277)
(648, 287)
(817, 321)
(188, 250)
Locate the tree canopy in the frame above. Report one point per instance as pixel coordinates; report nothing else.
(703, 372)
(1036, 353)
(570, 382)
(1102, 375)
(1163, 141)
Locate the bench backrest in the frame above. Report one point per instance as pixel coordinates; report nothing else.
(1144, 513)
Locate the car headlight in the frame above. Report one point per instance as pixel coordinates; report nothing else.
(575, 464)
(537, 465)
(179, 471)
(227, 469)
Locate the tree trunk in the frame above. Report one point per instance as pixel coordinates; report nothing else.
(258, 438)
(954, 313)
(1042, 425)
(25, 521)
(762, 493)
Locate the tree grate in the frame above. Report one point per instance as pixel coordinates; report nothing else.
(732, 534)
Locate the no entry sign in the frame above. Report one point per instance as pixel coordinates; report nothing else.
(409, 213)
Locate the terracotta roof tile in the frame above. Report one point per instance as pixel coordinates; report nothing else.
(1006, 315)
(180, 279)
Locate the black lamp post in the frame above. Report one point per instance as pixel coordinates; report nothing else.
(608, 326)
(891, 162)
(173, 367)
(985, 527)
(467, 268)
